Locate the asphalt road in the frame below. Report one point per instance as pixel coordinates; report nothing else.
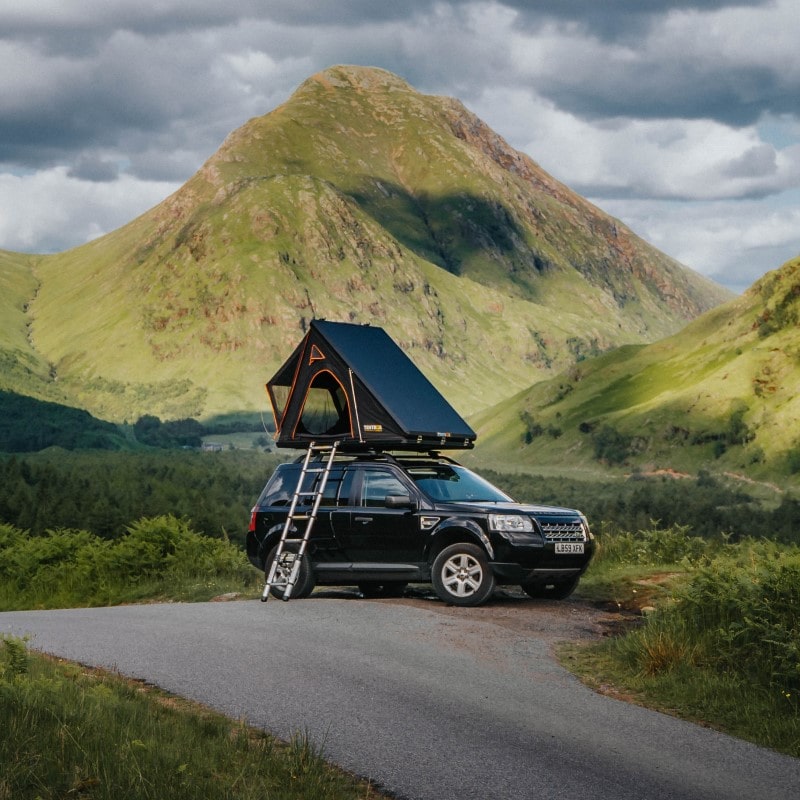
(429, 705)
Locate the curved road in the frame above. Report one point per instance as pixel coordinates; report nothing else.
(429, 705)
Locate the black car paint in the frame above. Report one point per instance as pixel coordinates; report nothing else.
(399, 538)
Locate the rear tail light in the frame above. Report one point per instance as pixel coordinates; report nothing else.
(251, 528)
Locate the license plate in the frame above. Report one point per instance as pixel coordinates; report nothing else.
(570, 548)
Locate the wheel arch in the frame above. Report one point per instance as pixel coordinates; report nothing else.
(457, 530)
(270, 540)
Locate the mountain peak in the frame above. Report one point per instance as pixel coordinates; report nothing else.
(359, 200)
(348, 76)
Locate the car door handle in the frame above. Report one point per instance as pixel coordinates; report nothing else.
(362, 520)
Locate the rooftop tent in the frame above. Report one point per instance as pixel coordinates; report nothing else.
(352, 383)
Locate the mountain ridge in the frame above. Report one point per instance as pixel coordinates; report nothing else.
(360, 200)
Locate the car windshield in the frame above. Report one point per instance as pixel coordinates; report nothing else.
(450, 482)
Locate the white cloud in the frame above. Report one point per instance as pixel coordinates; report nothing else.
(670, 158)
(764, 37)
(49, 211)
(733, 243)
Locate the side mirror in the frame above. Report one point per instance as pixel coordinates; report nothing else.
(400, 501)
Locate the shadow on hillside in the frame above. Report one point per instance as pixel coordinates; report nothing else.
(458, 232)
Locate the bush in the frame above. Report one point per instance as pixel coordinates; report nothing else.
(793, 460)
(161, 556)
(739, 612)
(746, 607)
(612, 446)
(168, 546)
(654, 546)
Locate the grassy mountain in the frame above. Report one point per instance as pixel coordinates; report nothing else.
(360, 200)
(723, 393)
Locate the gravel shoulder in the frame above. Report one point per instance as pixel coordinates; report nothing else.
(550, 621)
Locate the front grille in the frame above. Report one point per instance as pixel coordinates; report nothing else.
(563, 531)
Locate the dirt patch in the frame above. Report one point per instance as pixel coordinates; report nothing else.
(552, 621)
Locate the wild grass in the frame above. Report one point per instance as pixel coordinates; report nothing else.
(66, 731)
(720, 642)
(156, 558)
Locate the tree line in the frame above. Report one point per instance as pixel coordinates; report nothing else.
(703, 504)
(28, 425)
(104, 492)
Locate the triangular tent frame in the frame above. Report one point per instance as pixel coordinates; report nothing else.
(353, 384)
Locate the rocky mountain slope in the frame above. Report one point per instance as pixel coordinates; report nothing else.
(360, 200)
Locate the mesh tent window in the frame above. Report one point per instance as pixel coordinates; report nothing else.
(325, 410)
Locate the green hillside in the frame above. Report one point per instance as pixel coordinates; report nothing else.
(722, 394)
(357, 200)
(21, 366)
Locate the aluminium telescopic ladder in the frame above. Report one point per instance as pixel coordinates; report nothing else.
(281, 574)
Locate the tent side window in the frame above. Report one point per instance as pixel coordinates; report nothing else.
(279, 396)
(325, 410)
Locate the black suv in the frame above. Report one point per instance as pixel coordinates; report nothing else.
(388, 520)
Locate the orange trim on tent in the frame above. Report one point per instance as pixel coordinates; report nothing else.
(316, 354)
(278, 427)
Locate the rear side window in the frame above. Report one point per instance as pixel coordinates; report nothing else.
(282, 485)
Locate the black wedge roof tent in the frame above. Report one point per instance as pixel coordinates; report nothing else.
(352, 383)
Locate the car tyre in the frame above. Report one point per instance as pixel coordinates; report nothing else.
(550, 591)
(461, 575)
(305, 578)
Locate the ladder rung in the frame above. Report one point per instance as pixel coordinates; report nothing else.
(324, 469)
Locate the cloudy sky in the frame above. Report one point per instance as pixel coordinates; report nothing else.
(681, 117)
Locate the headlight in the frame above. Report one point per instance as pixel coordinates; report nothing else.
(511, 523)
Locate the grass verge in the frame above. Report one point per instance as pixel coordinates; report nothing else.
(67, 731)
(725, 701)
(719, 643)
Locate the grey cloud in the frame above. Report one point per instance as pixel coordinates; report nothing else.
(90, 168)
(85, 21)
(678, 88)
(109, 100)
(756, 162)
(613, 20)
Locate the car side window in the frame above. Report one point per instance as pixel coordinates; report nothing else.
(376, 485)
(280, 487)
